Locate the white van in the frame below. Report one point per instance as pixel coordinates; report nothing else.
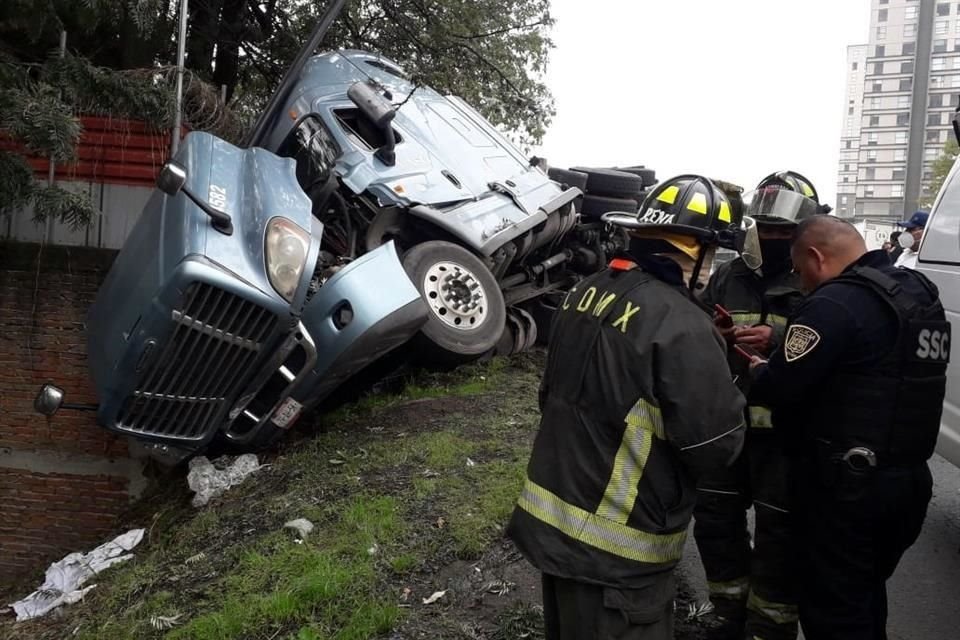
(939, 260)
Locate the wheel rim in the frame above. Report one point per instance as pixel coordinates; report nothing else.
(455, 295)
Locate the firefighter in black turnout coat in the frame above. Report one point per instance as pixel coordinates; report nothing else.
(857, 388)
(628, 425)
(752, 583)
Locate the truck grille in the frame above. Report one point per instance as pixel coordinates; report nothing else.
(182, 391)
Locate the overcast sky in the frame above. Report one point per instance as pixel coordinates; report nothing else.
(734, 90)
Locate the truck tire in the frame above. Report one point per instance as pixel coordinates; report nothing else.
(596, 206)
(610, 183)
(467, 311)
(569, 178)
(648, 176)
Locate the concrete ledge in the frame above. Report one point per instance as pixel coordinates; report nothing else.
(77, 465)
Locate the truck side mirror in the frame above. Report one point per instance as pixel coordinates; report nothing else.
(381, 113)
(49, 400)
(172, 178)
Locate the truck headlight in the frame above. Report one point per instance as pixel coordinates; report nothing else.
(286, 251)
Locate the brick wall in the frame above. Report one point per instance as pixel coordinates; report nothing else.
(63, 480)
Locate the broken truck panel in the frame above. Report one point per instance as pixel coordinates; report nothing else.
(447, 156)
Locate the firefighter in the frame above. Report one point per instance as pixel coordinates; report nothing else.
(857, 388)
(752, 587)
(628, 424)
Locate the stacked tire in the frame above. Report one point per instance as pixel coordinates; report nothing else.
(607, 190)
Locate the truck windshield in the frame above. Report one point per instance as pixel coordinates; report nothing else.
(315, 152)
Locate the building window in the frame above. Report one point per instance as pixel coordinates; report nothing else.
(882, 15)
(872, 155)
(874, 121)
(870, 174)
(910, 13)
(896, 191)
(900, 155)
(936, 82)
(931, 154)
(849, 111)
(881, 34)
(879, 52)
(906, 84)
(936, 100)
(909, 30)
(903, 119)
(943, 9)
(938, 64)
(940, 46)
(933, 119)
(955, 81)
(847, 144)
(868, 191)
(906, 67)
(878, 69)
(872, 138)
(900, 137)
(909, 48)
(877, 87)
(856, 65)
(899, 174)
(942, 28)
(933, 136)
(874, 103)
(903, 102)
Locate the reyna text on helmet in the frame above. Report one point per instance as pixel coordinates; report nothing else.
(933, 345)
(656, 216)
(596, 303)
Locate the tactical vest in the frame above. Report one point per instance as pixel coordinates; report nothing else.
(893, 408)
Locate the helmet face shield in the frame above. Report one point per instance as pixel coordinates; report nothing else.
(778, 206)
(750, 248)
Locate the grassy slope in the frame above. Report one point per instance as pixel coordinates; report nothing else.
(394, 500)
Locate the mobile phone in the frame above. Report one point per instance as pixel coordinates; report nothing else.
(747, 351)
(722, 317)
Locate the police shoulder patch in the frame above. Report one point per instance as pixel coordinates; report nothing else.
(800, 341)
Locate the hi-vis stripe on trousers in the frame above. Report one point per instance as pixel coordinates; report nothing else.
(607, 528)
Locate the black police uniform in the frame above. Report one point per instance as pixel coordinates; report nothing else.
(861, 376)
(752, 586)
(627, 427)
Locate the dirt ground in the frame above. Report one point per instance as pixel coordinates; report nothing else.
(423, 479)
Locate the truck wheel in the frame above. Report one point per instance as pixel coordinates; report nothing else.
(596, 206)
(610, 183)
(467, 311)
(569, 178)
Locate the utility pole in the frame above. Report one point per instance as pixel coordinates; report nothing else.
(181, 52)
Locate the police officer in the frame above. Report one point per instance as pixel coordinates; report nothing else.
(861, 418)
(628, 424)
(752, 587)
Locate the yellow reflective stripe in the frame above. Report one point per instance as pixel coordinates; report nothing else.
(778, 612)
(807, 189)
(600, 533)
(773, 319)
(732, 589)
(725, 212)
(698, 203)
(643, 423)
(669, 195)
(761, 418)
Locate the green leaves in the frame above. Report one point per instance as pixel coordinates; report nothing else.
(941, 169)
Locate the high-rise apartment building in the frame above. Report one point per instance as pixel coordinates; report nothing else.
(902, 89)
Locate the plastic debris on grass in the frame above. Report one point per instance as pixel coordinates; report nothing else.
(208, 480)
(65, 578)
